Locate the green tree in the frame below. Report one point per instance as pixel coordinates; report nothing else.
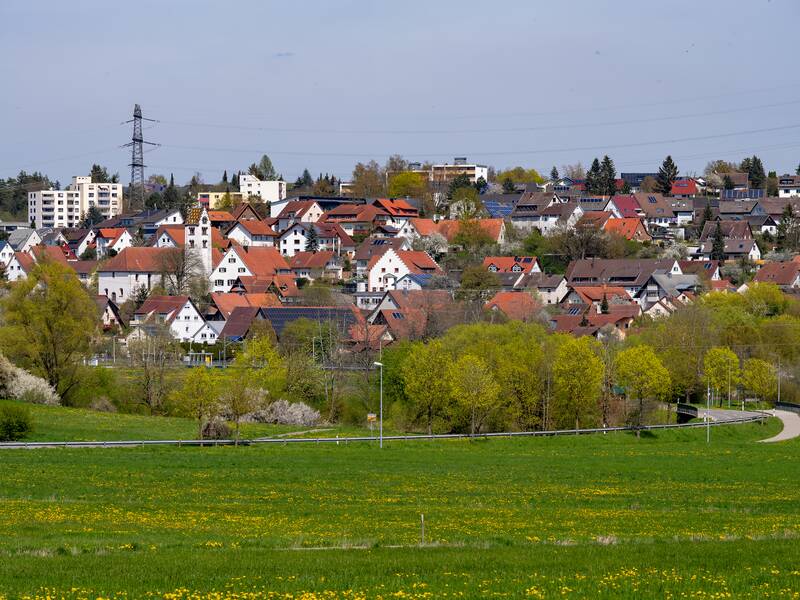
(509, 187)
(407, 184)
(755, 171)
(199, 396)
(477, 282)
(667, 174)
(368, 180)
(426, 386)
(305, 180)
(466, 204)
(49, 319)
(92, 217)
(705, 218)
(577, 383)
(264, 170)
(604, 305)
(312, 240)
(718, 245)
(481, 185)
(608, 177)
(458, 182)
(797, 170)
(520, 175)
(727, 182)
(721, 367)
(772, 184)
(640, 371)
(100, 175)
(474, 388)
(171, 196)
(788, 235)
(593, 178)
(626, 187)
(554, 173)
(759, 377)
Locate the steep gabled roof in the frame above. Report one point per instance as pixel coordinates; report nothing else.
(312, 260)
(227, 302)
(419, 262)
(138, 260)
(262, 262)
(626, 227)
(779, 273)
(165, 306)
(507, 264)
(517, 306)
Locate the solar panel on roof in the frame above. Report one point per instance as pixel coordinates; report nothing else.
(527, 259)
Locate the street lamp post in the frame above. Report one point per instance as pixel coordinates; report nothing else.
(379, 364)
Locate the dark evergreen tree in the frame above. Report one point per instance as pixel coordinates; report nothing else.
(593, 178)
(312, 241)
(554, 174)
(171, 197)
(772, 184)
(756, 173)
(92, 217)
(225, 176)
(727, 182)
(718, 245)
(667, 175)
(481, 185)
(788, 236)
(460, 181)
(508, 185)
(235, 180)
(797, 170)
(626, 187)
(608, 177)
(604, 305)
(705, 218)
(154, 201)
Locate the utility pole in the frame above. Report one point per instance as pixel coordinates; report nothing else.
(136, 190)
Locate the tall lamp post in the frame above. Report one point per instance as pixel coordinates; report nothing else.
(379, 364)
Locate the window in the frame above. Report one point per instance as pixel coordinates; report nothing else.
(222, 269)
(219, 282)
(241, 269)
(231, 260)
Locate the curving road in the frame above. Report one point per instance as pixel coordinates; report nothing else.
(791, 426)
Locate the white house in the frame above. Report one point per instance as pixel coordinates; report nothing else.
(268, 191)
(23, 239)
(133, 268)
(240, 261)
(386, 270)
(198, 237)
(252, 233)
(6, 253)
(299, 211)
(113, 240)
(179, 312)
(293, 239)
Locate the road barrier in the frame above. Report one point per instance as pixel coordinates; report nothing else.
(747, 418)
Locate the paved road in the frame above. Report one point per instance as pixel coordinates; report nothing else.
(791, 426)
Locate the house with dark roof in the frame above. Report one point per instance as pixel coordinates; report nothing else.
(551, 289)
(657, 209)
(788, 186)
(731, 230)
(734, 250)
(630, 274)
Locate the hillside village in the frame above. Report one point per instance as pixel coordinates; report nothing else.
(591, 255)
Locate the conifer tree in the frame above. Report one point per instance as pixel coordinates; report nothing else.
(718, 245)
(608, 177)
(667, 175)
(312, 241)
(554, 173)
(225, 176)
(593, 177)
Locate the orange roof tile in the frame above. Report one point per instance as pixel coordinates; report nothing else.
(518, 306)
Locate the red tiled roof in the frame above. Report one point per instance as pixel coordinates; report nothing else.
(138, 260)
(25, 260)
(262, 262)
(594, 293)
(627, 205)
(425, 227)
(779, 273)
(492, 227)
(419, 262)
(360, 213)
(176, 232)
(311, 260)
(256, 228)
(627, 227)
(166, 306)
(684, 187)
(518, 306)
(506, 264)
(397, 207)
(227, 302)
(295, 209)
(219, 216)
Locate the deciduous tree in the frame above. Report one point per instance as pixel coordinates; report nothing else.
(721, 367)
(577, 383)
(640, 371)
(426, 385)
(49, 320)
(473, 387)
(759, 377)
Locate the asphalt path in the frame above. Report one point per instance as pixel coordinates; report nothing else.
(791, 426)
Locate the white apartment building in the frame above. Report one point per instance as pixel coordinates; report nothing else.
(268, 191)
(66, 208)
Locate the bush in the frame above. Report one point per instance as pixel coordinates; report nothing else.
(216, 429)
(18, 384)
(282, 412)
(15, 423)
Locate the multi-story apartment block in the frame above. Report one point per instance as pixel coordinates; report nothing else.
(268, 191)
(66, 208)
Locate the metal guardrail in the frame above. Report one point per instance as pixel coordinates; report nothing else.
(338, 440)
(790, 406)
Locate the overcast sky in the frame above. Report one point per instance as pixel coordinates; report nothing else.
(324, 84)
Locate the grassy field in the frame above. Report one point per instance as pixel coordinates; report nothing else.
(603, 516)
(62, 424)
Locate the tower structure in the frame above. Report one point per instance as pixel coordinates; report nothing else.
(137, 192)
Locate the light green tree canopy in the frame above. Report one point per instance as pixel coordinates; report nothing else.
(577, 383)
(474, 388)
(760, 378)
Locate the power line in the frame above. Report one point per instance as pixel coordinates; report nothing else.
(503, 152)
(516, 129)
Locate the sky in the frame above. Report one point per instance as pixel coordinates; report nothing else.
(325, 84)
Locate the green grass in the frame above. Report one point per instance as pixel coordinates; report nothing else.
(598, 516)
(62, 424)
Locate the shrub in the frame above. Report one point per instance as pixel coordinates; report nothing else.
(216, 429)
(15, 423)
(18, 384)
(282, 412)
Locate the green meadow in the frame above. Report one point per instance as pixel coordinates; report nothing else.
(665, 516)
